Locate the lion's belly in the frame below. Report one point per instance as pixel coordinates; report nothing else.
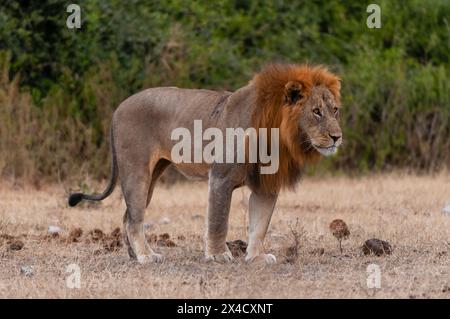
(193, 171)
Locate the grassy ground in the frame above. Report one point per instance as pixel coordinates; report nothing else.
(404, 210)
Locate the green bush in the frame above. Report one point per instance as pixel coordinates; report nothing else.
(395, 79)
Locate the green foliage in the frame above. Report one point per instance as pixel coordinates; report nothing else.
(395, 79)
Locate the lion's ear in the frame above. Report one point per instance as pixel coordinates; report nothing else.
(293, 92)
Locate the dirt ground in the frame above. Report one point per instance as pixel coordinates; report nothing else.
(404, 210)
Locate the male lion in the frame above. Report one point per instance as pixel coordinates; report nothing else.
(302, 101)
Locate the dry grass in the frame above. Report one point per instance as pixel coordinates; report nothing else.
(404, 210)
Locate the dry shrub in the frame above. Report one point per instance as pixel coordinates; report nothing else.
(55, 141)
(295, 236)
(340, 231)
(38, 142)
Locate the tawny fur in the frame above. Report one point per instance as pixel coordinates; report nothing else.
(277, 97)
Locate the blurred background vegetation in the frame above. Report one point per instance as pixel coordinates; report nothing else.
(59, 86)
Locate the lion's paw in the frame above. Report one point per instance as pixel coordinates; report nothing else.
(225, 257)
(150, 259)
(268, 259)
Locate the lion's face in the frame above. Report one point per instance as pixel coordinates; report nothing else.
(318, 120)
(303, 102)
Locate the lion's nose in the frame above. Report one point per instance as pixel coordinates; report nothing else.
(335, 137)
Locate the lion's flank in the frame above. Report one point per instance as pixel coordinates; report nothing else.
(273, 111)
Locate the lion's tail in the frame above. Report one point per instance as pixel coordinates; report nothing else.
(75, 198)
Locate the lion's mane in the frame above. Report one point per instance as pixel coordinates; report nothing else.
(273, 111)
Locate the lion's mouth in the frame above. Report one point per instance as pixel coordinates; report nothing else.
(327, 151)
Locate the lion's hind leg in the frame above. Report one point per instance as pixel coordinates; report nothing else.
(158, 170)
(135, 187)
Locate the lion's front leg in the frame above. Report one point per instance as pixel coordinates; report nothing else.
(260, 212)
(219, 200)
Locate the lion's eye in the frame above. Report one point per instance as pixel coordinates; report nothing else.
(316, 111)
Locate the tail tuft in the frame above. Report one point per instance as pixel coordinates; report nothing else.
(75, 198)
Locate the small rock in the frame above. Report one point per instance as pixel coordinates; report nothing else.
(148, 226)
(16, 245)
(197, 216)
(446, 209)
(27, 270)
(377, 247)
(446, 289)
(54, 230)
(164, 220)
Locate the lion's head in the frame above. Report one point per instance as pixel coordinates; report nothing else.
(303, 102)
